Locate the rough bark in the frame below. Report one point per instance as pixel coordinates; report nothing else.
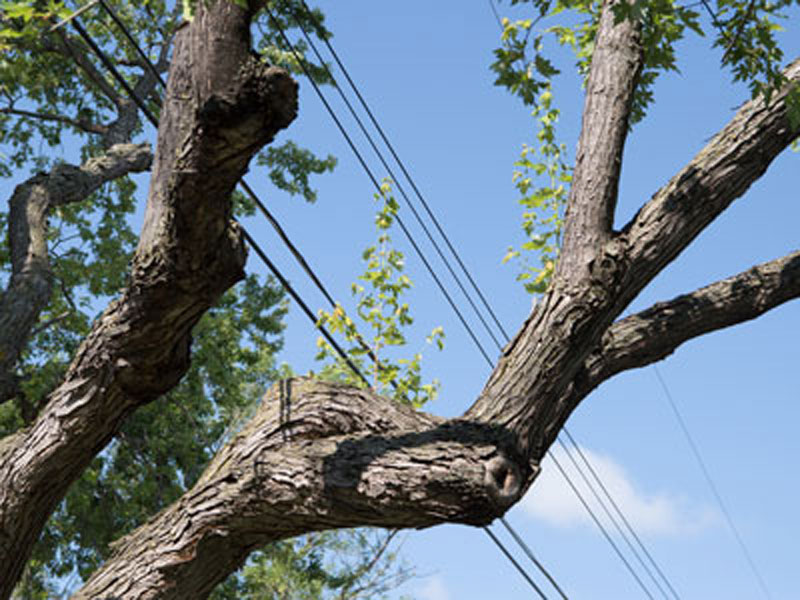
(222, 105)
(318, 455)
(655, 333)
(719, 174)
(616, 64)
(31, 282)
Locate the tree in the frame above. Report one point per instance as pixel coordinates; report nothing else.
(319, 455)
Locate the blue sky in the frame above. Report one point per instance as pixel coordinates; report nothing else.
(423, 66)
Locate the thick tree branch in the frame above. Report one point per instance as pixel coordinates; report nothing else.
(655, 333)
(529, 390)
(720, 173)
(616, 63)
(354, 458)
(31, 281)
(357, 459)
(222, 105)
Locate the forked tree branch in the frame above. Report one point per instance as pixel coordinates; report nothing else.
(719, 174)
(30, 285)
(656, 332)
(222, 106)
(616, 63)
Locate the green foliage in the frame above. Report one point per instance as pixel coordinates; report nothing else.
(543, 204)
(744, 29)
(23, 20)
(51, 107)
(380, 305)
(290, 167)
(345, 565)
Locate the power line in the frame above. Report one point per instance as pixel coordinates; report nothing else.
(301, 62)
(405, 172)
(619, 512)
(515, 563)
(431, 215)
(273, 268)
(526, 549)
(714, 490)
(597, 522)
(605, 508)
(375, 183)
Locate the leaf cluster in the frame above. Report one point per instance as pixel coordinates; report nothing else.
(744, 29)
(381, 307)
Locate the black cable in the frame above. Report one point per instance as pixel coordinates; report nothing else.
(526, 549)
(605, 508)
(397, 182)
(514, 562)
(374, 181)
(597, 522)
(707, 475)
(411, 181)
(110, 66)
(619, 512)
(296, 297)
(298, 256)
(134, 43)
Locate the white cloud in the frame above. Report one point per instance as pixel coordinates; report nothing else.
(551, 499)
(433, 588)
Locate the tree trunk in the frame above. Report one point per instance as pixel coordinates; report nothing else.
(221, 106)
(319, 456)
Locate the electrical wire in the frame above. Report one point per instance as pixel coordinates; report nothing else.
(607, 511)
(515, 563)
(714, 490)
(375, 183)
(411, 181)
(272, 267)
(597, 522)
(621, 515)
(526, 549)
(433, 218)
(392, 176)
